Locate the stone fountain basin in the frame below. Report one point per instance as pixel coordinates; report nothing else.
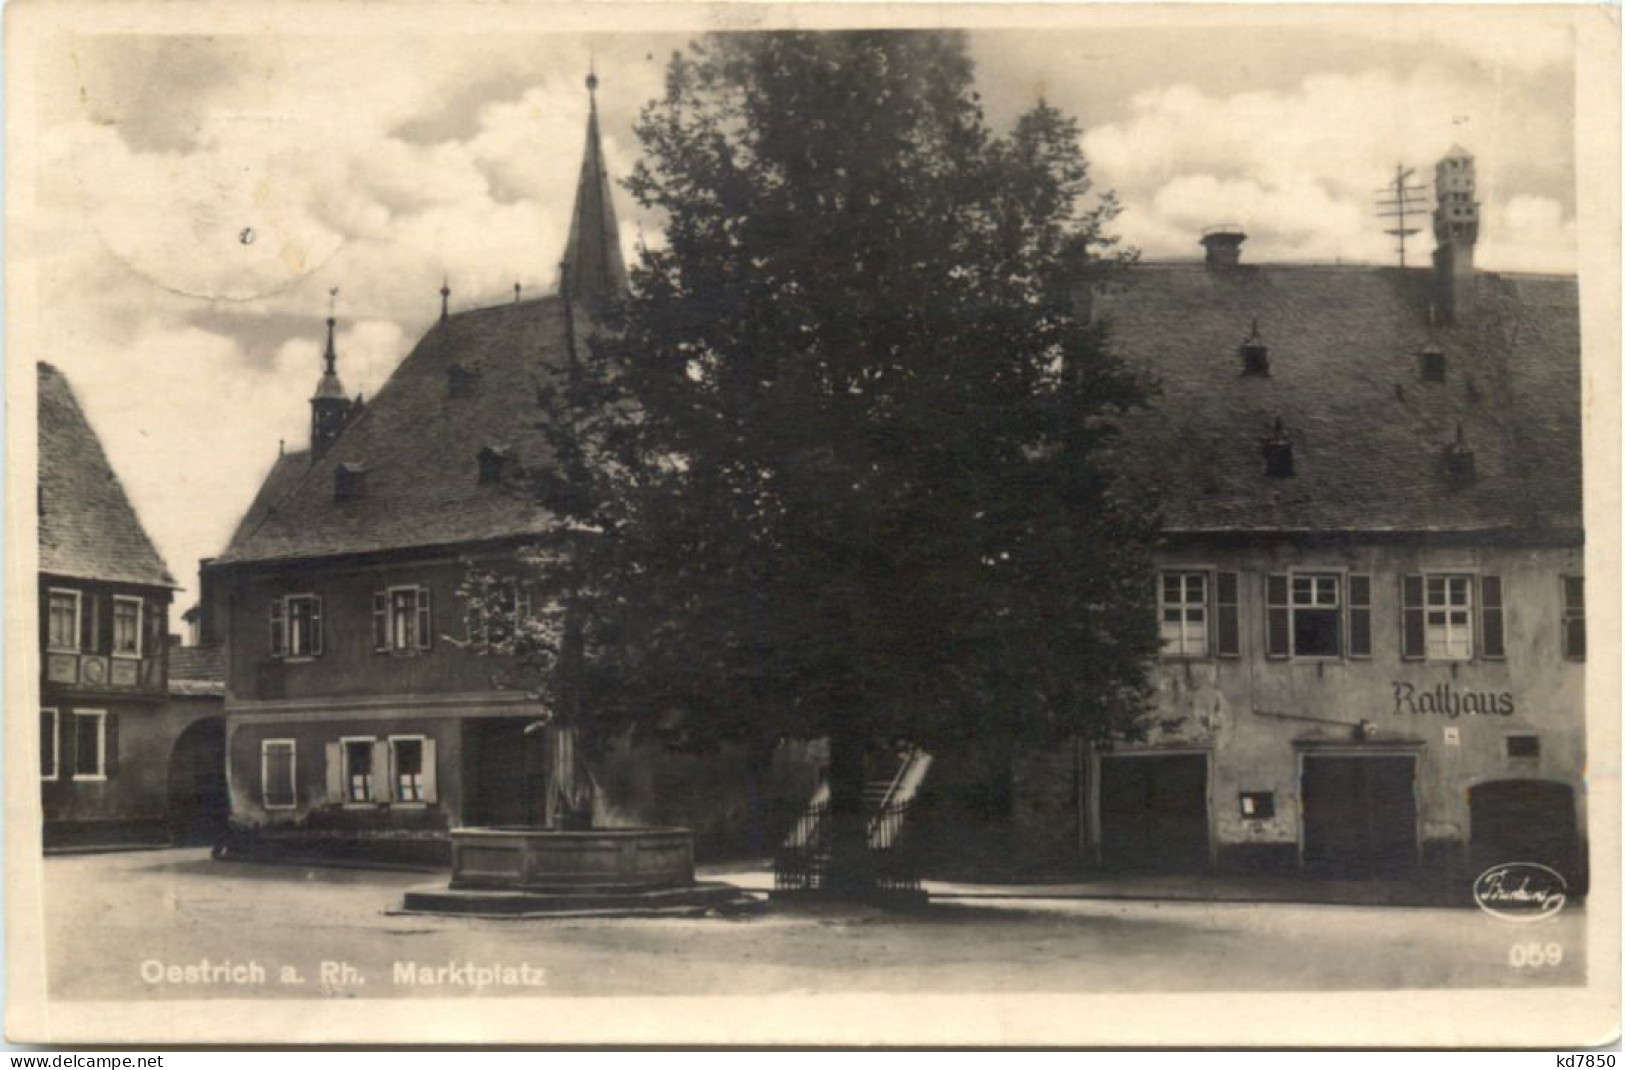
(558, 860)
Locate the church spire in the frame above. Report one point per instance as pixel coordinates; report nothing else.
(329, 408)
(330, 357)
(592, 258)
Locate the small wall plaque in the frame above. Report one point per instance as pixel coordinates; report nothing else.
(62, 668)
(1257, 805)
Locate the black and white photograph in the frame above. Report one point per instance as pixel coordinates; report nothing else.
(812, 525)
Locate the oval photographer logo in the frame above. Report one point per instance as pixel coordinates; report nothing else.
(1520, 891)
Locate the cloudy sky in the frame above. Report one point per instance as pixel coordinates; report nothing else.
(377, 164)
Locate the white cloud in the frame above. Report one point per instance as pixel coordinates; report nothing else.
(1300, 169)
(379, 165)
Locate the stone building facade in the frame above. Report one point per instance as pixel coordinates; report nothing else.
(1371, 589)
(111, 717)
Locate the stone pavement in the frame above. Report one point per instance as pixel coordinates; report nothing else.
(1174, 887)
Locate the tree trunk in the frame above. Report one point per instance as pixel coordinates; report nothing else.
(850, 871)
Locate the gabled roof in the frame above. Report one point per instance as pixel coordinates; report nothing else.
(284, 475)
(197, 670)
(1368, 435)
(87, 528)
(419, 445)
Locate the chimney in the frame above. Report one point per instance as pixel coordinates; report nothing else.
(1455, 232)
(1223, 245)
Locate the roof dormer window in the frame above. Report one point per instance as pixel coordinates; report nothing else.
(1255, 355)
(1459, 465)
(496, 463)
(349, 481)
(1277, 450)
(461, 380)
(1430, 364)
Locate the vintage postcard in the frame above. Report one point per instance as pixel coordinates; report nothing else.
(731, 524)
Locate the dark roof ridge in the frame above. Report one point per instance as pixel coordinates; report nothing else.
(1348, 265)
(499, 306)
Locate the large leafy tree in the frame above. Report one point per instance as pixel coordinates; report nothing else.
(845, 458)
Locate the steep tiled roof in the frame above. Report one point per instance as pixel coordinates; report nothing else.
(282, 478)
(87, 529)
(1368, 435)
(418, 444)
(197, 670)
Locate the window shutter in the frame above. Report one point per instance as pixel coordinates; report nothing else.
(48, 753)
(425, 620)
(380, 621)
(335, 772)
(279, 635)
(1574, 619)
(87, 624)
(430, 791)
(154, 621)
(109, 745)
(383, 772)
(1413, 630)
(1278, 618)
(1359, 616)
(316, 626)
(101, 624)
(1494, 617)
(1227, 615)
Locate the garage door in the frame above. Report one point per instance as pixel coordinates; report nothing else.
(1526, 821)
(1359, 815)
(1153, 811)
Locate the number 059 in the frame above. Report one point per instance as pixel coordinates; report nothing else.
(1531, 955)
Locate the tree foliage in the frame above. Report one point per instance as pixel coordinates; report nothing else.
(844, 462)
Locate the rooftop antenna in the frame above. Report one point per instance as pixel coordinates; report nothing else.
(445, 297)
(516, 293)
(1399, 200)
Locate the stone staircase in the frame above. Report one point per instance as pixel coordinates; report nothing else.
(893, 782)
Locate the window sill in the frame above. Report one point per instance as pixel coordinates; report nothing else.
(297, 659)
(89, 777)
(409, 806)
(63, 650)
(126, 656)
(281, 806)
